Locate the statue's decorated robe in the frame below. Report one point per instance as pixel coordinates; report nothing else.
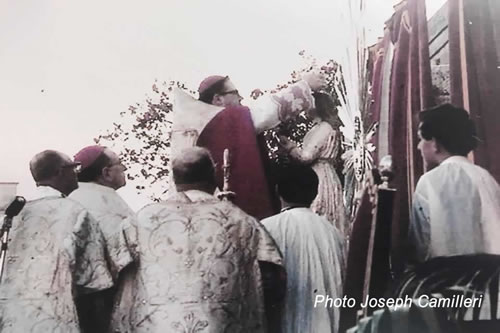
(199, 269)
(56, 250)
(236, 128)
(320, 148)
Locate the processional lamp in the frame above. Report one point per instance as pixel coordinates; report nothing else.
(226, 194)
(12, 210)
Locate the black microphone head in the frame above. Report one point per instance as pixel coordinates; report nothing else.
(15, 207)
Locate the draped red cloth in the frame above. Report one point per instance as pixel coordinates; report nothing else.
(474, 37)
(232, 128)
(407, 92)
(410, 93)
(377, 53)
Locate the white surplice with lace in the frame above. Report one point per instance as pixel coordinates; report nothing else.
(313, 253)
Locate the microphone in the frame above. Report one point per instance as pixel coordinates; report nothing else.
(12, 210)
(15, 207)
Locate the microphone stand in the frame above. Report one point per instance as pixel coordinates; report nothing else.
(12, 210)
(7, 224)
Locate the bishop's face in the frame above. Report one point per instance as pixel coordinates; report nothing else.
(114, 173)
(229, 96)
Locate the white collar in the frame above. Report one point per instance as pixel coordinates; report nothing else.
(293, 207)
(456, 159)
(44, 191)
(196, 195)
(95, 187)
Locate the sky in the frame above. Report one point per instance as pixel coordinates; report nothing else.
(68, 68)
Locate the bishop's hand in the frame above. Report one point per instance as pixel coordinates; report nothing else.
(286, 143)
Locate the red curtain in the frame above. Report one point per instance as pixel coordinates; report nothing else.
(380, 73)
(410, 92)
(474, 37)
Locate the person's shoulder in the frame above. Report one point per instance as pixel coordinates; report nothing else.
(481, 178)
(326, 126)
(271, 220)
(295, 219)
(322, 221)
(482, 172)
(56, 206)
(101, 200)
(83, 189)
(438, 173)
(234, 111)
(450, 168)
(324, 129)
(273, 223)
(430, 179)
(237, 108)
(180, 204)
(238, 217)
(231, 210)
(454, 174)
(155, 207)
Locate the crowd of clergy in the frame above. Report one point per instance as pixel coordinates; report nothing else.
(81, 260)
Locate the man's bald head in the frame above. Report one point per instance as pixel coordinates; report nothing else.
(54, 169)
(45, 165)
(194, 168)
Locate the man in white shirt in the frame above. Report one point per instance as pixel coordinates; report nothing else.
(456, 207)
(313, 252)
(56, 253)
(455, 219)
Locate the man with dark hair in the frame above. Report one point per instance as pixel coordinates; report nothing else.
(56, 254)
(297, 186)
(451, 131)
(456, 205)
(313, 252)
(199, 260)
(101, 175)
(218, 121)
